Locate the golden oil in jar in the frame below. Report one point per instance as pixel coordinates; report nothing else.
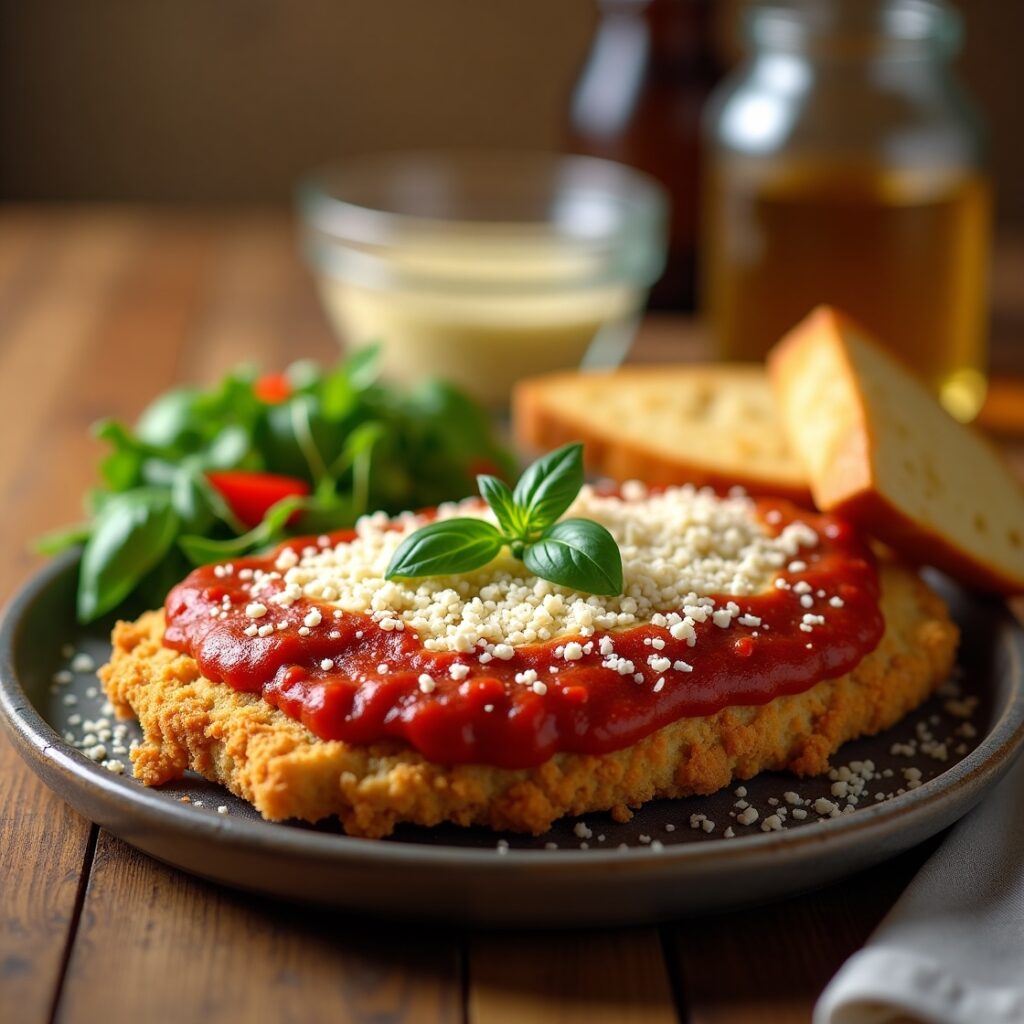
(904, 252)
(845, 164)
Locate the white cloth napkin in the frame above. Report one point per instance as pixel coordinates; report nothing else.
(951, 951)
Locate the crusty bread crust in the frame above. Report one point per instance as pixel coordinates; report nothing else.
(275, 763)
(875, 513)
(879, 451)
(713, 426)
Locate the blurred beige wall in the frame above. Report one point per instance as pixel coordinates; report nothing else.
(231, 99)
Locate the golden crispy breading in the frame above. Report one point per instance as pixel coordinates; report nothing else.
(285, 771)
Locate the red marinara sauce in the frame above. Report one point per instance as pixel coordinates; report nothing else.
(330, 679)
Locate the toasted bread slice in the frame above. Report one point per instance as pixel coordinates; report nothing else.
(879, 449)
(710, 425)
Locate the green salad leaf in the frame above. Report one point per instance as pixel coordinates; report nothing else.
(130, 536)
(208, 474)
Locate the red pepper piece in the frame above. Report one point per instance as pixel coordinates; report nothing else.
(249, 495)
(272, 388)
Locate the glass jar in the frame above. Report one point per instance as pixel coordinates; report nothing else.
(845, 165)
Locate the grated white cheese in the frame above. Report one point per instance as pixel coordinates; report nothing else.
(675, 546)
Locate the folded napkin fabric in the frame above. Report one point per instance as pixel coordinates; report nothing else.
(951, 951)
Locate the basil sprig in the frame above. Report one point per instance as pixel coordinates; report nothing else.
(575, 553)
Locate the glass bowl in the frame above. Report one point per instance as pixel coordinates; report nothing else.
(483, 267)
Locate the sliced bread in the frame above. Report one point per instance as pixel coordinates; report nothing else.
(879, 449)
(710, 425)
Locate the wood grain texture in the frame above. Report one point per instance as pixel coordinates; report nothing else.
(55, 280)
(260, 304)
(43, 846)
(597, 977)
(159, 947)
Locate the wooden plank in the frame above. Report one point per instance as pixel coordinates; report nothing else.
(130, 355)
(47, 311)
(43, 846)
(155, 945)
(52, 327)
(28, 240)
(768, 965)
(261, 306)
(613, 976)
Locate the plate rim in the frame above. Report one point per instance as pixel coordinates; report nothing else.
(43, 748)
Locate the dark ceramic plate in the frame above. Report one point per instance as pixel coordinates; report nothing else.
(928, 771)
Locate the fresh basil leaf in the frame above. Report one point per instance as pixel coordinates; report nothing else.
(171, 421)
(360, 441)
(302, 427)
(115, 433)
(232, 401)
(444, 548)
(338, 398)
(498, 495)
(278, 515)
(152, 590)
(327, 512)
(439, 406)
(203, 550)
(227, 449)
(65, 537)
(275, 439)
(360, 447)
(122, 468)
(549, 485)
(579, 554)
(189, 500)
(295, 439)
(217, 505)
(159, 472)
(132, 534)
(438, 440)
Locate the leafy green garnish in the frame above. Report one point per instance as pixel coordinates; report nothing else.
(129, 537)
(579, 554)
(548, 487)
(203, 550)
(575, 553)
(445, 547)
(345, 442)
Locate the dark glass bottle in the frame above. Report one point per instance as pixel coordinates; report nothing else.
(638, 100)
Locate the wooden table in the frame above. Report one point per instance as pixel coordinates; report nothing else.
(99, 310)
